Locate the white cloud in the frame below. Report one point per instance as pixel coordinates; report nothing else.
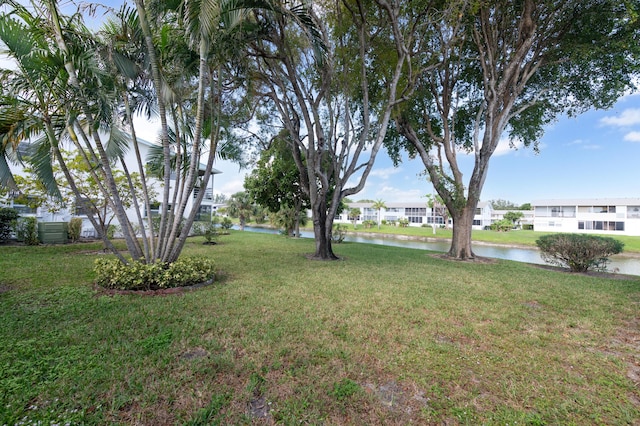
(505, 147)
(629, 117)
(632, 137)
(230, 187)
(583, 144)
(384, 173)
(392, 194)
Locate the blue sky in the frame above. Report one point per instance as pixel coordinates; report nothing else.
(595, 155)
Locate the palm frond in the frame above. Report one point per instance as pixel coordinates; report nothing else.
(118, 143)
(40, 161)
(6, 177)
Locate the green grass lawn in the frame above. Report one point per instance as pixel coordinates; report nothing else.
(385, 336)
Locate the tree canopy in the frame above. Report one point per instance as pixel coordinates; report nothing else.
(507, 68)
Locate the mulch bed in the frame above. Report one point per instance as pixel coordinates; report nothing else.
(101, 291)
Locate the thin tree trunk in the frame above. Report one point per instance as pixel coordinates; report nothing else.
(162, 112)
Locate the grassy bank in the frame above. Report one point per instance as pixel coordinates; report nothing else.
(386, 336)
(517, 237)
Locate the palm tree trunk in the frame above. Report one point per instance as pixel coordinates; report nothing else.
(162, 111)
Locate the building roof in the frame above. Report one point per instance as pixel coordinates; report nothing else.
(588, 202)
(410, 204)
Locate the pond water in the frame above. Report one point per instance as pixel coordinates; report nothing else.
(621, 264)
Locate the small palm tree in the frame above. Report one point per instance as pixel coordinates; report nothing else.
(240, 205)
(379, 205)
(354, 213)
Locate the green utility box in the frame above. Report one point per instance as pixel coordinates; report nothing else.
(53, 232)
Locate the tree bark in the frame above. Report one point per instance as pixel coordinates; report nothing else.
(322, 226)
(462, 228)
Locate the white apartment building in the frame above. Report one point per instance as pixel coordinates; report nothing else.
(614, 216)
(43, 215)
(417, 213)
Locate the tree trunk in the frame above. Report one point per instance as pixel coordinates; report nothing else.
(461, 239)
(322, 225)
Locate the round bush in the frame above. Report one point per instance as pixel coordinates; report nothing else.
(578, 252)
(113, 274)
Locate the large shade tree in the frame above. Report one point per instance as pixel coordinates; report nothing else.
(336, 106)
(508, 68)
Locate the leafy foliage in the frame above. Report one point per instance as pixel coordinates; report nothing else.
(27, 230)
(503, 225)
(578, 252)
(513, 217)
(75, 229)
(7, 217)
(209, 229)
(241, 206)
(113, 274)
(338, 233)
(226, 223)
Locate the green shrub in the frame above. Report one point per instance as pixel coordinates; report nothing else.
(27, 230)
(209, 230)
(8, 217)
(75, 229)
(503, 225)
(338, 233)
(368, 224)
(113, 274)
(403, 222)
(578, 252)
(111, 231)
(226, 223)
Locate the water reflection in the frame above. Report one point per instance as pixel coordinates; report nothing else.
(621, 264)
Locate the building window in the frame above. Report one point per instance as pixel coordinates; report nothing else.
(155, 210)
(204, 213)
(555, 211)
(600, 225)
(633, 212)
(597, 209)
(477, 222)
(415, 219)
(415, 211)
(24, 209)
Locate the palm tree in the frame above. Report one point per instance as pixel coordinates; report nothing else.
(240, 205)
(214, 30)
(379, 205)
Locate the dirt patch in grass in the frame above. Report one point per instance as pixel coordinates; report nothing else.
(398, 398)
(597, 274)
(476, 260)
(628, 340)
(4, 288)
